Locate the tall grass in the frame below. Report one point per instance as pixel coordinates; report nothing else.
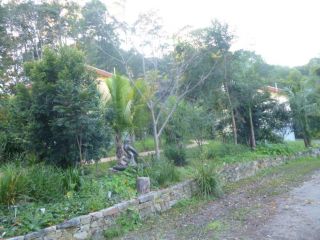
(36, 183)
(162, 172)
(13, 184)
(207, 179)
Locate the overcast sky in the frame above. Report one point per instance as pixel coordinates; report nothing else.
(285, 32)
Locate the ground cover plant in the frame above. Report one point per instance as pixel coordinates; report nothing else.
(34, 197)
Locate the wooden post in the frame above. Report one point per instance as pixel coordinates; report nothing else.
(143, 185)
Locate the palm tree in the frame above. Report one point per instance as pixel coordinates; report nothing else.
(303, 104)
(121, 103)
(302, 109)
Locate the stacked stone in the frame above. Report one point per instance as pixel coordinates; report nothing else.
(93, 224)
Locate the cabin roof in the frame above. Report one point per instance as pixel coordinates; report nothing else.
(100, 72)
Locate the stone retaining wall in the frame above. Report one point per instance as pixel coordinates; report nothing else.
(236, 171)
(91, 226)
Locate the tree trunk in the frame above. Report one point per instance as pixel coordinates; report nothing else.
(252, 136)
(156, 142)
(119, 146)
(234, 126)
(306, 132)
(155, 134)
(79, 143)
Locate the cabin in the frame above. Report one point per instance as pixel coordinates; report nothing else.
(102, 76)
(279, 95)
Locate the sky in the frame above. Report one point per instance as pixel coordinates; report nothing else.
(283, 32)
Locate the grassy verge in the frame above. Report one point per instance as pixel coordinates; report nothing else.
(218, 154)
(274, 181)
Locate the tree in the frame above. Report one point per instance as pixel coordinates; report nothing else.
(141, 117)
(215, 42)
(29, 26)
(5, 59)
(164, 98)
(97, 37)
(121, 104)
(14, 115)
(166, 86)
(248, 83)
(302, 104)
(66, 116)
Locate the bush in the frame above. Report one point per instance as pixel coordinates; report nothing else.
(221, 150)
(207, 180)
(66, 119)
(275, 149)
(126, 222)
(145, 144)
(176, 153)
(161, 172)
(72, 180)
(13, 184)
(39, 182)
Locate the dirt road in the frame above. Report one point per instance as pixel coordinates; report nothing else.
(281, 203)
(297, 215)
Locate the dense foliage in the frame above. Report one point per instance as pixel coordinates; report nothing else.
(163, 95)
(66, 113)
(59, 117)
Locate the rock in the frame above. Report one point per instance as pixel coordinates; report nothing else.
(85, 219)
(110, 211)
(53, 235)
(69, 224)
(33, 235)
(49, 230)
(146, 198)
(16, 238)
(96, 215)
(143, 185)
(80, 236)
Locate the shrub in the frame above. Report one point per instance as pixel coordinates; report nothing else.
(72, 179)
(13, 184)
(274, 149)
(66, 120)
(206, 177)
(176, 153)
(93, 188)
(126, 222)
(39, 182)
(45, 182)
(145, 144)
(221, 150)
(161, 172)
(210, 153)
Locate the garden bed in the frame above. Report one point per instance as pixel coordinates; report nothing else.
(105, 222)
(38, 207)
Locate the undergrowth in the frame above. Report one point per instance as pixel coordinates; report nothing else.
(126, 222)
